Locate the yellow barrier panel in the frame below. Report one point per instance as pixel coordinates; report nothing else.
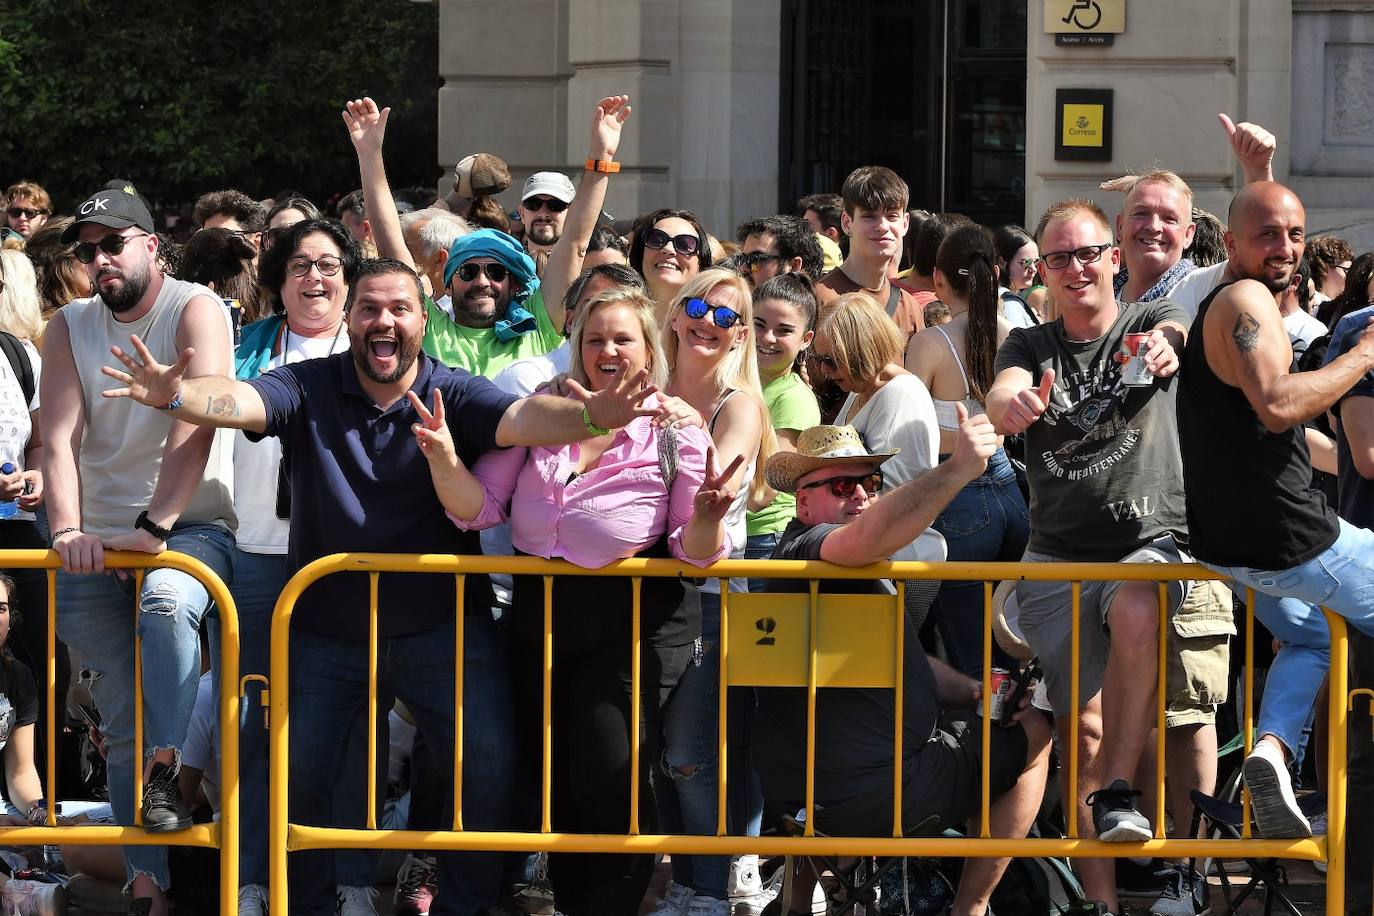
(798, 641)
(223, 835)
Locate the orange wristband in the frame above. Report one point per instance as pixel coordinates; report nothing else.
(605, 166)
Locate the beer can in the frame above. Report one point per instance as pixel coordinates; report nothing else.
(1134, 373)
(1001, 690)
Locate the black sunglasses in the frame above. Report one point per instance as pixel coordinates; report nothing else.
(843, 487)
(1058, 260)
(723, 317)
(16, 212)
(110, 244)
(535, 204)
(683, 244)
(758, 258)
(495, 272)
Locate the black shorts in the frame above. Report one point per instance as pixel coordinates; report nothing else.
(944, 780)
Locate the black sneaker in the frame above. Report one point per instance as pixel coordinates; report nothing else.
(140, 906)
(1140, 882)
(1115, 815)
(1185, 892)
(163, 809)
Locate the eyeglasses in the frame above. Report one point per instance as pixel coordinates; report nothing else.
(683, 244)
(535, 204)
(110, 244)
(722, 316)
(757, 259)
(1058, 260)
(843, 487)
(827, 362)
(327, 265)
(16, 212)
(1343, 268)
(1029, 263)
(495, 272)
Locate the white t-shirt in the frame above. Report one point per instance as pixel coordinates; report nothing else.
(256, 464)
(15, 425)
(445, 302)
(1302, 329)
(1197, 285)
(201, 749)
(523, 376)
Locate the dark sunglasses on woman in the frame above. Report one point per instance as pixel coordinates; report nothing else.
(684, 244)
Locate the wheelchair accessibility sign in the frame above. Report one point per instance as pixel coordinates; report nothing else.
(1085, 22)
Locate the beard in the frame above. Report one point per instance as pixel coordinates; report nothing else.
(472, 315)
(124, 295)
(542, 233)
(407, 351)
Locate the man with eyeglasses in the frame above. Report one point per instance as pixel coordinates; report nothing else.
(841, 520)
(775, 245)
(543, 208)
(1105, 476)
(121, 477)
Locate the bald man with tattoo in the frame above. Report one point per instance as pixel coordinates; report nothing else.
(1252, 511)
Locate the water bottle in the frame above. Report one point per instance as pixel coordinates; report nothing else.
(8, 507)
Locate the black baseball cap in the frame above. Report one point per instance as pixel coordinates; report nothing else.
(118, 208)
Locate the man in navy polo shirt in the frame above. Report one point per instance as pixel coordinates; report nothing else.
(360, 483)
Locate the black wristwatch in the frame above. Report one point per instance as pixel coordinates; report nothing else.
(161, 534)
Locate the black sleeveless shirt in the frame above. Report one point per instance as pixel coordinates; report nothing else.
(1250, 496)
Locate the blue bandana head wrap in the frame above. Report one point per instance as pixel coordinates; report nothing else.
(499, 246)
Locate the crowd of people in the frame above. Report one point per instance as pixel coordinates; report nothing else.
(855, 382)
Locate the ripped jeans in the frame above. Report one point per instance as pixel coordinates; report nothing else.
(93, 618)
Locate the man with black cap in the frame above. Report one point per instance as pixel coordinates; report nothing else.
(840, 520)
(124, 478)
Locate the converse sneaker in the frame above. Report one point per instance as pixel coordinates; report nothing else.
(674, 901)
(163, 809)
(417, 882)
(1115, 815)
(707, 906)
(1271, 794)
(356, 901)
(33, 898)
(749, 893)
(252, 900)
(1184, 894)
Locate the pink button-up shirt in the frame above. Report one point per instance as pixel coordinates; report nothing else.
(609, 512)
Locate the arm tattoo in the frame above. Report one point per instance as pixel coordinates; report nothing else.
(1246, 333)
(223, 406)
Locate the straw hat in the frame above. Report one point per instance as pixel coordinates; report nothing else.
(817, 447)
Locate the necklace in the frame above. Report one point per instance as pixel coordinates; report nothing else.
(334, 344)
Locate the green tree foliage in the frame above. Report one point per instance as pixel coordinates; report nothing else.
(187, 97)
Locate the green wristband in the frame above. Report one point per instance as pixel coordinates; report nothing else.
(592, 427)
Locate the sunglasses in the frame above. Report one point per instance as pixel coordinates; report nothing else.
(328, 266)
(552, 204)
(495, 272)
(110, 244)
(683, 244)
(722, 316)
(757, 259)
(1058, 260)
(843, 487)
(16, 212)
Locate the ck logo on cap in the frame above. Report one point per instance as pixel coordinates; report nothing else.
(94, 204)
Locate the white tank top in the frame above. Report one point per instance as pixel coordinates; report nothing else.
(121, 447)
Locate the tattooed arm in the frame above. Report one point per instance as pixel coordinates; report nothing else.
(1248, 348)
(210, 400)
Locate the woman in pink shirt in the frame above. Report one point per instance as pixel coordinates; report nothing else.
(636, 491)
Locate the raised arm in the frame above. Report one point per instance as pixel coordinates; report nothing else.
(1248, 348)
(367, 128)
(1253, 147)
(900, 516)
(211, 400)
(565, 260)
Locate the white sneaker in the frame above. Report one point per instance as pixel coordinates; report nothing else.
(674, 902)
(744, 878)
(33, 898)
(708, 906)
(356, 901)
(1271, 794)
(252, 900)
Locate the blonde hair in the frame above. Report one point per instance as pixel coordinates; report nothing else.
(1129, 182)
(1067, 209)
(643, 308)
(862, 338)
(20, 313)
(740, 367)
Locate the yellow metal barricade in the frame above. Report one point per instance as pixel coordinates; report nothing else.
(806, 640)
(223, 835)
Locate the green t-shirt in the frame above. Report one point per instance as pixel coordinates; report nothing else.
(477, 349)
(791, 405)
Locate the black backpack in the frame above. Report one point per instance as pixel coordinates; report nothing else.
(19, 362)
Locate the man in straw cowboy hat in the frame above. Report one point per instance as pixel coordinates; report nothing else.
(841, 520)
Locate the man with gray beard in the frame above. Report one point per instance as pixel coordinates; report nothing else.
(125, 478)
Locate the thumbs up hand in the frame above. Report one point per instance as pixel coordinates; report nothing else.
(1029, 404)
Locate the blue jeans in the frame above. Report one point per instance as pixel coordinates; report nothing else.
(687, 800)
(258, 580)
(1340, 578)
(329, 692)
(93, 618)
(987, 520)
